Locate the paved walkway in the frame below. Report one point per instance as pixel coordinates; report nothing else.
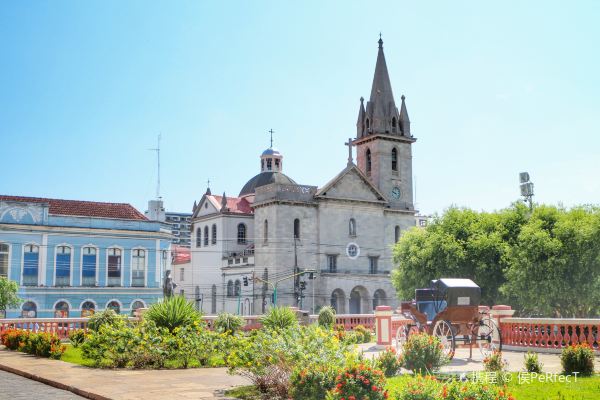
(101, 384)
(16, 387)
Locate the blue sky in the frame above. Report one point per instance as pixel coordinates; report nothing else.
(491, 89)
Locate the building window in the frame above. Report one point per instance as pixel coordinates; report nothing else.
(206, 235)
(266, 232)
(373, 265)
(115, 306)
(230, 288)
(352, 227)
(61, 310)
(276, 164)
(393, 124)
(136, 305)
(87, 309)
(237, 288)
(213, 299)
(368, 156)
(4, 259)
(368, 123)
(198, 237)
(63, 266)
(138, 268)
(182, 274)
(396, 234)
(241, 234)
(114, 267)
(332, 263)
(88, 266)
(31, 261)
(296, 228)
(269, 164)
(214, 234)
(394, 160)
(29, 310)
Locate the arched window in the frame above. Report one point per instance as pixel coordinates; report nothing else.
(352, 227)
(198, 237)
(214, 234)
(296, 228)
(269, 164)
(206, 235)
(394, 124)
(137, 305)
(138, 268)
(29, 310)
(87, 309)
(394, 159)
(63, 266)
(396, 234)
(88, 266)
(368, 156)
(61, 310)
(114, 267)
(3, 259)
(241, 234)
(237, 288)
(368, 123)
(230, 288)
(31, 261)
(213, 299)
(266, 232)
(115, 306)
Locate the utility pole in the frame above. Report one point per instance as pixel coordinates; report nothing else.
(296, 270)
(275, 283)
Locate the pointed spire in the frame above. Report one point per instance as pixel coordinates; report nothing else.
(224, 203)
(360, 122)
(195, 206)
(381, 89)
(404, 120)
(208, 188)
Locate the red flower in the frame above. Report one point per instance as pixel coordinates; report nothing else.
(374, 388)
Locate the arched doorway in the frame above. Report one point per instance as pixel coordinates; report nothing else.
(29, 310)
(379, 298)
(87, 309)
(338, 301)
(61, 310)
(358, 300)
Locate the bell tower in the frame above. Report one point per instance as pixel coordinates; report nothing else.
(383, 140)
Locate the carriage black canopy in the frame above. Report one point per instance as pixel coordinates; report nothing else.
(457, 292)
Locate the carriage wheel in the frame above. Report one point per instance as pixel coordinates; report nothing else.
(488, 337)
(402, 335)
(443, 331)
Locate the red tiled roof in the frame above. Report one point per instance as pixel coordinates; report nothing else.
(237, 205)
(83, 208)
(180, 255)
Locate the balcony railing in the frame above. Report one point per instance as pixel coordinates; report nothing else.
(62, 281)
(138, 281)
(88, 281)
(342, 271)
(113, 281)
(30, 280)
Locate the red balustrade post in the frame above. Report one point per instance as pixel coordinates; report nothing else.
(383, 322)
(497, 313)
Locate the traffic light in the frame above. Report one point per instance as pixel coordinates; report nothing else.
(245, 281)
(303, 285)
(311, 276)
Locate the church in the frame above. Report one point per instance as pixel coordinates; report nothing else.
(250, 251)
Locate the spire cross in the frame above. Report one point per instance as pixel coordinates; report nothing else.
(208, 183)
(271, 132)
(349, 144)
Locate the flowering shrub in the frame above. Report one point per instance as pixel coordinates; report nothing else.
(268, 358)
(423, 353)
(107, 316)
(76, 337)
(363, 334)
(532, 363)
(227, 322)
(313, 383)
(359, 382)
(578, 358)
(43, 344)
(388, 362)
(494, 362)
(428, 388)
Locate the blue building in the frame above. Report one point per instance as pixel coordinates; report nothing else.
(72, 258)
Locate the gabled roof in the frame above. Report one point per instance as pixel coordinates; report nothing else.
(235, 205)
(83, 208)
(351, 168)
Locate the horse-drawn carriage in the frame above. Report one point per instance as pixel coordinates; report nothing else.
(449, 309)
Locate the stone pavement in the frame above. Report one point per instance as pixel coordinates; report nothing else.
(16, 387)
(102, 384)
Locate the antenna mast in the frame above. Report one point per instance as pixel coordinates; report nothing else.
(157, 149)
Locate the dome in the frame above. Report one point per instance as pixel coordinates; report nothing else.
(271, 152)
(265, 178)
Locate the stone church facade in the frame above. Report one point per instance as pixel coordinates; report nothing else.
(245, 247)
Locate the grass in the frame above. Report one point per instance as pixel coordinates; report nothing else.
(584, 389)
(73, 355)
(244, 393)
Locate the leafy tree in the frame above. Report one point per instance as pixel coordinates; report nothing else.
(555, 264)
(462, 243)
(8, 294)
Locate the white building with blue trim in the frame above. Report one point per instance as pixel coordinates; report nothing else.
(72, 258)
